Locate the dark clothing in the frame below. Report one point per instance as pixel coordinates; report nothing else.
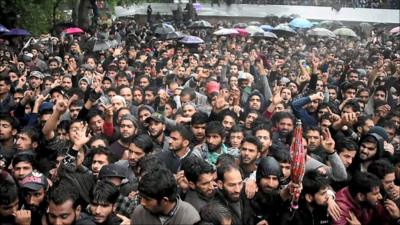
(117, 149)
(238, 218)
(303, 216)
(267, 206)
(171, 161)
(301, 113)
(7, 105)
(196, 199)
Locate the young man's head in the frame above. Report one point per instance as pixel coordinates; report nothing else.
(156, 125)
(102, 201)
(138, 148)
(128, 128)
(8, 128)
(236, 136)
(199, 122)
(347, 150)
(250, 150)
(180, 139)
(368, 148)
(313, 135)
(268, 174)
(158, 190)
(33, 189)
(27, 139)
(284, 121)
(364, 188)
(315, 187)
(283, 158)
(230, 181)
(264, 135)
(229, 120)
(63, 204)
(215, 135)
(8, 198)
(385, 171)
(101, 156)
(96, 121)
(213, 213)
(201, 175)
(23, 164)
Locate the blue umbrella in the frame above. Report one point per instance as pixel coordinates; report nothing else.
(3, 29)
(300, 23)
(191, 40)
(164, 28)
(267, 27)
(17, 32)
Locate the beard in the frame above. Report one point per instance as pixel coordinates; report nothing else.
(125, 140)
(213, 148)
(230, 197)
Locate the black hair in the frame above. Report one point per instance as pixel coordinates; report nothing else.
(214, 213)
(348, 144)
(93, 113)
(194, 167)
(363, 183)
(262, 126)
(31, 132)
(224, 168)
(25, 156)
(353, 104)
(11, 120)
(8, 192)
(231, 114)
(144, 142)
(253, 140)
(381, 168)
(199, 118)
(124, 86)
(313, 182)
(150, 162)
(98, 137)
(153, 90)
(6, 79)
(104, 192)
(190, 92)
(225, 159)
(276, 117)
(158, 184)
(63, 191)
(111, 157)
(64, 124)
(215, 127)
(183, 131)
(362, 119)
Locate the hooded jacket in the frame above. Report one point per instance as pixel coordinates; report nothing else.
(263, 102)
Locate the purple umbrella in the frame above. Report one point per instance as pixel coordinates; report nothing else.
(3, 29)
(17, 32)
(191, 40)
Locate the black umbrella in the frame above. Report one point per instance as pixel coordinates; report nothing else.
(200, 24)
(163, 29)
(172, 36)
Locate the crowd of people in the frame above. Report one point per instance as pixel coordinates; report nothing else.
(151, 131)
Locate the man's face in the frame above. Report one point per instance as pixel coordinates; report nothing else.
(232, 185)
(235, 139)
(134, 154)
(347, 157)
(367, 150)
(35, 82)
(143, 115)
(63, 214)
(99, 160)
(106, 84)
(101, 211)
(199, 131)
(188, 110)
(321, 197)
(265, 138)
(374, 196)
(152, 205)
(22, 169)
(127, 94)
(255, 102)
(285, 170)
(127, 129)
(96, 124)
(74, 111)
(363, 96)
(269, 183)
(250, 119)
(143, 83)
(285, 125)
(380, 95)
(388, 182)
(117, 104)
(332, 94)
(176, 142)
(4, 88)
(9, 210)
(24, 142)
(352, 77)
(156, 128)
(286, 95)
(248, 153)
(149, 97)
(206, 184)
(350, 93)
(66, 83)
(122, 81)
(313, 140)
(214, 141)
(33, 199)
(367, 126)
(313, 106)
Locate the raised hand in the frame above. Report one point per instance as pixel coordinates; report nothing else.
(327, 141)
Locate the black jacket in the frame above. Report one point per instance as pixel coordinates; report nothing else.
(303, 216)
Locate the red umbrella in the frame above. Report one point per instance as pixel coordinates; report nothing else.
(73, 30)
(298, 161)
(242, 32)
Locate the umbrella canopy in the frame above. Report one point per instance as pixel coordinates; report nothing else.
(191, 40)
(331, 25)
(254, 23)
(225, 31)
(202, 24)
(267, 27)
(3, 29)
(265, 35)
(395, 31)
(242, 32)
(346, 32)
(283, 30)
(163, 29)
(300, 23)
(321, 32)
(73, 30)
(101, 45)
(298, 160)
(172, 36)
(240, 25)
(17, 32)
(254, 29)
